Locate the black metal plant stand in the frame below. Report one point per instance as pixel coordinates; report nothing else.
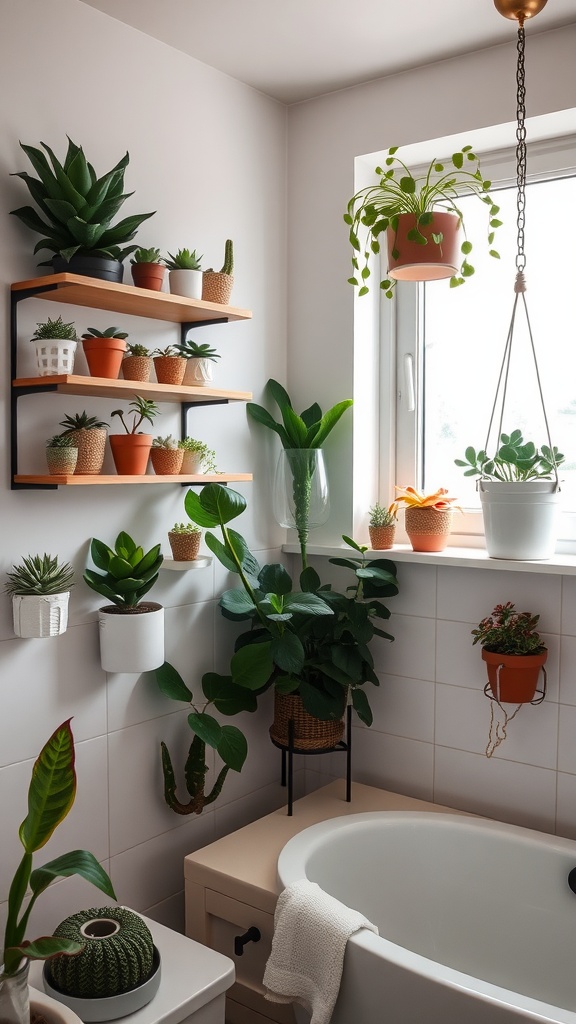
(288, 751)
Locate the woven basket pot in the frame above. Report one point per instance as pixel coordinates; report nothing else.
(166, 460)
(117, 956)
(309, 733)
(381, 537)
(185, 546)
(217, 287)
(61, 461)
(170, 369)
(427, 528)
(137, 368)
(91, 445)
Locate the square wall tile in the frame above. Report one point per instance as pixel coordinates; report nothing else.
(569, 605)
(403, 707)
(567, 739)
(170, 913)
(230, 817)
(469, 595)
(416, 589)
(394, 763)
(412, 652)
(504, 790)
(566, 806)
(568, 670)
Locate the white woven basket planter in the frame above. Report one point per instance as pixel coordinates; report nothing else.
(54, 356)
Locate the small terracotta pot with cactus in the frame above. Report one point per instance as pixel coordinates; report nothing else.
(382, 526)
(166, 455)
(89, 435)
(184, 541)
(61, 455)
(217, 284)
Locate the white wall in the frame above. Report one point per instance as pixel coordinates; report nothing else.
(208, 154)
(431, 717)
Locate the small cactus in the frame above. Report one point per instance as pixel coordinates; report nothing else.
(228, 267)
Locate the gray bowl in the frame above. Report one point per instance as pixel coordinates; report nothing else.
(110, 1007)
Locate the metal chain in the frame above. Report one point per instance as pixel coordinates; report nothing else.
(520, 150)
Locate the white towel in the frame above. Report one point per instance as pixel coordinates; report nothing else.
(311, 930)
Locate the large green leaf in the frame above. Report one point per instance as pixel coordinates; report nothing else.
(100, 554)
(322, 705)
(206, 727)
(171, 683)
(232, 747)
(327, 423)
(307, 604)
(227, 697)
(48, 946)
(52, 789)
(288, 653)
(78, 862)
(251, 666)
(275, 579)
(238, 603)
(262, 416)
(361, 706)
(214, 505)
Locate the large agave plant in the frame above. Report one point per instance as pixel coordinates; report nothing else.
(75, 207)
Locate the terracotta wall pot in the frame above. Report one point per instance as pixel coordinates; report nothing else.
(137, 368)
(131, 640)
(104, 356)
(61, 461)
(217, 287)
(428, 529)
(518, 677)
(381, 537)
(148, 275)
(166, 460)
(170, 369)
(198, 372)
(430, 262)
(91, 445)
(184, 546)
(309, 733)
(130, 453)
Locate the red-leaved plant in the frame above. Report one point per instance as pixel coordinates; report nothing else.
(507, 631)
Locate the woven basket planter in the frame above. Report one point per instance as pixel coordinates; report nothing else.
(309, 733)
(381, 537)
(170, 369)
(427, 528)
(217, 287)
(61, 461)
(137, 368)
(117, 955)
(91, 445)
(184, 546)
(166, 460)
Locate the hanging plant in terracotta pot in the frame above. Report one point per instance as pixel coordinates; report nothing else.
(428, 517)
(420, 219)
(513, 651)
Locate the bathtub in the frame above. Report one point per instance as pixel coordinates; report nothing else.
(477, 922)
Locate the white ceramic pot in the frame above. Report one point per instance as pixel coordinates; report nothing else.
(520, 519)
(191, 463)
(198, 372)
(186, 282)
(40, 615)
(54, 355)
(131, 641)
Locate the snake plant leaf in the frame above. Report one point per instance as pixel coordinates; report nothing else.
(52, 789)
(65, 186)
(29, 216)
(171, 683)
(361, 706)
(87, 235)
(77, 862)
(252, 665)
(78, 173)
(125, 229)
(206, 727)
(227, 697)
(48, 946)
(232, 747)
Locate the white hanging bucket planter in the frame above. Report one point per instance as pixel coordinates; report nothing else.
(40, 615)
(131, 640)
(520, 518)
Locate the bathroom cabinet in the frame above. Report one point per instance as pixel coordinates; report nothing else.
(231, 886)
(124, 299)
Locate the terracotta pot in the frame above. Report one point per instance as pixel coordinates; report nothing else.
(61, 461)
(148, 275)
(166, 460)
(309, 733)
(217, 287)
(91, 445)
(427, 528)
(104, 356)
(137, 368)
(184, 546)
(170, 369)
(130, 453)
(430, 262)
(381, 537)
(518, 678)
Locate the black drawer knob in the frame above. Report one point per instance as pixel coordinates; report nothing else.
(252, 935)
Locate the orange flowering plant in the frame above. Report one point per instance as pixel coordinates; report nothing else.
(412, 498)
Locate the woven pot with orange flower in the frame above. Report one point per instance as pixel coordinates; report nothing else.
(428, 517)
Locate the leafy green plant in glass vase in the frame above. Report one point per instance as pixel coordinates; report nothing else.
(420, 219)
(76, 212)
(51, 794)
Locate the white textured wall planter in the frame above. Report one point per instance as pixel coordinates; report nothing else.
(40, 615)
(131, 640)
(520, 518)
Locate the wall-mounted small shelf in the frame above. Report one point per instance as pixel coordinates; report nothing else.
(201, 562)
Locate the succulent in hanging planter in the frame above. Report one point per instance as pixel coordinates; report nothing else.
(420, 219)
(228, 698)
(76, 210)
(40, 589)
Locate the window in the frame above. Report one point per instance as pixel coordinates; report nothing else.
(450, 342)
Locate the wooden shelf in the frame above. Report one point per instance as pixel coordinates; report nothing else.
(124, 298)
(85, 479)
(103, 387)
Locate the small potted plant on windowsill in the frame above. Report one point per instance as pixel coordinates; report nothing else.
(131, 450)
(61, 455)
(428, 517)
(185, 273)
(148, 271)
(199, 359)
(40, 589)
(513, 651)
(137, 363)
(420, 219)
(169, 365)
(104, 351)
(382, 525)
(520, 495)
(131, 630)
(89, 435)
(166, 455)
(55, 343)
(198, 457)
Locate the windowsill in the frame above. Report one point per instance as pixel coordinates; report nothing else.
(468, 558)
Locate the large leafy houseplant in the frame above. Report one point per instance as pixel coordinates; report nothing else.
(76, 208)
(375, 209)
(314, 641)
(50, 797)
(299, 433)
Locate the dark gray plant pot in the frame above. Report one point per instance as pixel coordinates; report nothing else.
(90, 266)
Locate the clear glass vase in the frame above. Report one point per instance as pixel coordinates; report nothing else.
(15, 996)
(301, 499)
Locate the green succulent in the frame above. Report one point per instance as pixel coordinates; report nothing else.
(127, 572)
(60, 441)
(381, 515)
(185, 528)
(183, 260)
(110, 332)
(169, 443)
(81, 421)
(142, 409)
(76, 209)
(137, 350)
(146, 256)
(55, 329)
(40, 574)
(192, 350)
(170, 350)
(207, 455)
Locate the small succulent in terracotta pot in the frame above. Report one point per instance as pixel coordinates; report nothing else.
(382, 525)
(184, 541)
